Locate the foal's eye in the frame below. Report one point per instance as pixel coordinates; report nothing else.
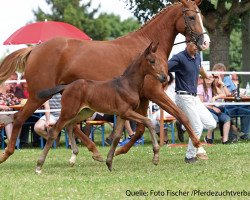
(152, 61)
(192, 18)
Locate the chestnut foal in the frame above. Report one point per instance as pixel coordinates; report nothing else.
(120, 96)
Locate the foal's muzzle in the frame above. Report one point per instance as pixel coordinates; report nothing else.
(162, 78)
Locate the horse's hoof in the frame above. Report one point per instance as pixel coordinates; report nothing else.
(98, 158)
(109, 165)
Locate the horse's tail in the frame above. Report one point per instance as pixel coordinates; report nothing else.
(49, 92)
(15, 61)
(171, 78)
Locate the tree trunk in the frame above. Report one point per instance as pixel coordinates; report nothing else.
(245, 48)
(219, 47)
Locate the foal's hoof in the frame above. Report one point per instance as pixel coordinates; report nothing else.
(3, 157)
(38, 171)
(155, 161)
(98, 158)
(72, 160)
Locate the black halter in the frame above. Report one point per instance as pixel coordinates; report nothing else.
(193, 35)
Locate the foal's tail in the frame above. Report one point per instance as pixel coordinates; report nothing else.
(49, 92)
(15, 61)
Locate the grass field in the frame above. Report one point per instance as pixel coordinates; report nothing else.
(133, 175)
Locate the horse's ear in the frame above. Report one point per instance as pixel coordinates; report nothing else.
(154, 48)
(184, 2)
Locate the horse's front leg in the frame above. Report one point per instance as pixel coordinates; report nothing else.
(89, 144)
(75, 151)
(140, 128)
(153, 90)
(118, 133)
(19, 119)
(130, 114)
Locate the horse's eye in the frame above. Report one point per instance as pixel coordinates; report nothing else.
(152, 61)
(192, 18)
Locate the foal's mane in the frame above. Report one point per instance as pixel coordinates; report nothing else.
(136, 61)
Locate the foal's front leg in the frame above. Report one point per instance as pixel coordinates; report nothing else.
(74, 147)
(118, 133)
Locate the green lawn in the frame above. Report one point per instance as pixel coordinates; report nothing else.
(227, 169)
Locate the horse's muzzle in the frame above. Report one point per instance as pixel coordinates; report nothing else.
(162, 78)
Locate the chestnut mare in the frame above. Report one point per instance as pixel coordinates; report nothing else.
(119, 96)
(62, 61)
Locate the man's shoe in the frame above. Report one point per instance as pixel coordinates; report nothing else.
(180, 131)
(244, 137)
(190, 160)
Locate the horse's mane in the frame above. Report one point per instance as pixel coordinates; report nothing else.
(158, 14)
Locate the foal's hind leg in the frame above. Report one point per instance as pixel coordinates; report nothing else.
(118, 133)
(19, 118)
(52, 135)
(82, 115)
(74, 147)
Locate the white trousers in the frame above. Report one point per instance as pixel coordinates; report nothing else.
(198, 116)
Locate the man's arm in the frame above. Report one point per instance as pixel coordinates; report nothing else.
(203, 73)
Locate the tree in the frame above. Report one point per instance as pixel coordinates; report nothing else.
(221, 17)
(245, 46)
(74, 12)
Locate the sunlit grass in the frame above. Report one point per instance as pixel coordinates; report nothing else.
(227, 169)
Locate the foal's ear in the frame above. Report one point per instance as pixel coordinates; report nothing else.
(151, 48)
(148, 49)
(155, 47)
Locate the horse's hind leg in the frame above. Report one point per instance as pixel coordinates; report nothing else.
(118, 133)
(19, 118)
(89, 144)
(74, 147)
(130, 114)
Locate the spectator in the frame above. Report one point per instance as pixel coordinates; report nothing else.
(211, 91)
(187, 66)
(7, 98)
(235, 110)
(50, 118)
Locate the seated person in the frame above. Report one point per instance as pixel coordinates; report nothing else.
(210, 91)
(244, 115)
(7, 99)
(50, 118)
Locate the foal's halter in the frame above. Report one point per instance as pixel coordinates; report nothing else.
(194, 35)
